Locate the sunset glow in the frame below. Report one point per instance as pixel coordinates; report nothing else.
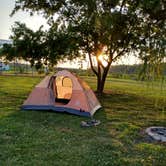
(102, 59)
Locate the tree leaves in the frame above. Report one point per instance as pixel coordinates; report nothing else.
(118, 26)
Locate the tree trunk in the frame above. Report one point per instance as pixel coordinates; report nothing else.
(99, 87)
(32, 71)
(101, 78)
(15, 67)
(101, 73)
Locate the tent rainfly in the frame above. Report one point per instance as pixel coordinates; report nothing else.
(63, 92)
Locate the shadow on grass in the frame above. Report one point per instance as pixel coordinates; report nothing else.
(49, 138)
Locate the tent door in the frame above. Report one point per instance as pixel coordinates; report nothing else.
(63, 89)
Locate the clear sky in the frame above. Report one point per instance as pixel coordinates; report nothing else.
(6, 7)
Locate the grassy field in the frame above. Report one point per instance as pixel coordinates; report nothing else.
(48, 138)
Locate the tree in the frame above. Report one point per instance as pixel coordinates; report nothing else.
(29, 45)
(152, 47)
(103, 29)
(41, 47)
(60, 45)
(8, 53)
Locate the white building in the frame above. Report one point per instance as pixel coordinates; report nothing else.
(2, 41)
(3, 66)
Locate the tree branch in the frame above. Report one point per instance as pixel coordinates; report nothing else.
(119, 54)
(91, 64)
(123, 2)
(100, 63)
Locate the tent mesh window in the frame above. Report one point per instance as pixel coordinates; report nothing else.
(63, 88)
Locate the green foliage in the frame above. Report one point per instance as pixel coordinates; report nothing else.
(29, 44)
(21, 69)
(60, 45)
(8, 51)
(39, 48)
(139, 72)
(111, 28)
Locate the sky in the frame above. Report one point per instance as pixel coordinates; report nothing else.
(34, 22)
(6, 22)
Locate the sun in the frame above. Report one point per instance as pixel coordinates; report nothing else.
(102, 59)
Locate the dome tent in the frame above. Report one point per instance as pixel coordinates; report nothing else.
(63, 92)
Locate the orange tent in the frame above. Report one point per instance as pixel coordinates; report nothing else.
(63, 92)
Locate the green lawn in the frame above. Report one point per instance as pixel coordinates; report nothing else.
(48, 138)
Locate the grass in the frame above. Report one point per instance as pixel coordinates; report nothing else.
(155, 91)
(48, 138)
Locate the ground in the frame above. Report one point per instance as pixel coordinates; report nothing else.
(49, 138)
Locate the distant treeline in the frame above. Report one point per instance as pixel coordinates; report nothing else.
(137, 72)
(132, 69)
(118, 71)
